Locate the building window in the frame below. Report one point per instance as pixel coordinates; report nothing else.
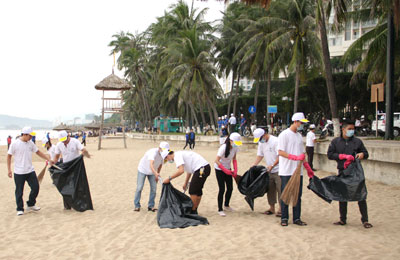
(356, 34)
(347, 33)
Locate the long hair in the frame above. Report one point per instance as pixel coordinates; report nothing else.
(49, 142)
(227, 147)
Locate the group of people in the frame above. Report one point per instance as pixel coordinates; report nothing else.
(229, 125)
(282, 155)
(67, 149)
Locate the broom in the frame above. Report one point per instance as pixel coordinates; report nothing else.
(290, 194)
(41, 174)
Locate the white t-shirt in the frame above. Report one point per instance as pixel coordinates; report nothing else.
(22, 152)
(151, 155)
(226, 161)
(191, 161)
(232, 120)
(52, 152)
(310, 139)
(69, 152)
(269, 150)
(291, 143)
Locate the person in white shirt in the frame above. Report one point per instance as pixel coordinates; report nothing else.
(225, 157)
(22, 150)
(51, 149)
(197, 169)
(310, 141)
(232, 123)
(150, 166)
(291, 150)
(268, 149)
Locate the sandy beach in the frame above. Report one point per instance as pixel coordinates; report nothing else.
(114, 231)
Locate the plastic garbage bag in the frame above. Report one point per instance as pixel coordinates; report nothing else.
(71, 181)
(349, 186)
(174, 210)
(254, 183)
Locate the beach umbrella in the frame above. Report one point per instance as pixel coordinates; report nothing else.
(61, 127)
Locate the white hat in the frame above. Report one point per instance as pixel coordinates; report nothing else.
(164, 153)
(219, 117)
(27, 130)
(232, 114)
(236, 138)
(62, 136)
(312, 126)
(241, 114)
(299, 117)
(164, 146)
(45, 140)
(257, 134)
(222, 126)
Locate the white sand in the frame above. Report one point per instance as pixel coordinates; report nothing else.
(114, 231)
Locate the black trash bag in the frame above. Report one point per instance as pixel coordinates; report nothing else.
(254, 183)
(72, 183)
(174, 210)
(349, 186)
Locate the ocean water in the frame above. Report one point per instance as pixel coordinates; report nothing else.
(39, 135)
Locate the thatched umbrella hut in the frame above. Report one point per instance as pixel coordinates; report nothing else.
(112, 105)
(94, 127)
(61, 127)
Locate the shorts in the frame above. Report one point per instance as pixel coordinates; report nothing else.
(198, 180)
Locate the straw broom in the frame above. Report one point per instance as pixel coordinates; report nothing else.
(290, 194)
(41, 174)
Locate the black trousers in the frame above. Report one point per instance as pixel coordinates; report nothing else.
(192, 143)
(187, 143)
(32, 180)
(223, 179)
(310, 155)
(362, 205)
(284, 207)
(84, 142)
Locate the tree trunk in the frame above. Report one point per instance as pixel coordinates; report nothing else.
(256, 98)
(328, 71)
(231, 93)
(389, 78)
(194, 114)
(213, 108)
(296, 88)
(147, 118)
(187, 115)
(268, 93)
(236, 94)
(203, 117)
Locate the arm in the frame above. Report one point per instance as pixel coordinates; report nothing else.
(284, 154)
(188, 175)
(362, 152)
(225, 170)
(9, 165)
(44, 156)
(258, 160)
(175, 175)
(154, 170)
(85, 153)
(275, 164)
(56, 158)
(332, 153)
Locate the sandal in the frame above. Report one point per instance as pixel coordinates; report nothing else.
(278, 215)
(367, 225)
(339, 223)
(268, 212)
(300, 223)
(284, 223)
(152, 209)
(137, 209)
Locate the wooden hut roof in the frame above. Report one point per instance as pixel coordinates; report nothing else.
(113, 82)
(61, 127)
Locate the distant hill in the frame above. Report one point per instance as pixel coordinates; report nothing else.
(12, 122)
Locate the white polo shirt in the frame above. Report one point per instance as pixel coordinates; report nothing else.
(191, 161)
(310, 139)
(232, 120)
(71, 151)
(151, 155)
(22, 152)
(52, 152)
(226, 161)
(291, 143)
(269, 150)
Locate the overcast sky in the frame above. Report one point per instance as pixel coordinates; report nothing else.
(54, 52)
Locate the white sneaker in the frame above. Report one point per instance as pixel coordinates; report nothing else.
(222, 214)
(20, 213)
(33, 208)
(229, 209)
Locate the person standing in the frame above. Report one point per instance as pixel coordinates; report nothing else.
(192, 139)
(268, 149)
(219, 124)
(187, 140)
(51, 149)
(9, 142)
(232, 123)
(150, 166)
(225, 157)
(291, 151)
(242, 124)
(197, 169)
(310, 142)
(343, 150)
(84, 138)
(33, 138)
(22, 150)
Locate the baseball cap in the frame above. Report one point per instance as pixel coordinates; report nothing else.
(27, 130)
(164, 153)
(62, 136)
(257, 134)
(235, 137)
(232, 114)
(164, 146)
(299, 117)
(44, 141)
(312, 126)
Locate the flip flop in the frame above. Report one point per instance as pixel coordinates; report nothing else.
(268, 212)
(367, 225)
(300, 223)
(339, 223)
(152, 209)
(137, 209)
(278, 215)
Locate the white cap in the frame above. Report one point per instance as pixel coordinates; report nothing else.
(44, 141)
(257, 134)
(232, 114)
(164, 146)
(236, 138)
(299, 117)
(62, 136)
(164, 153)
(219, 117)
(27, 130)
(241, 114)
(312, 126)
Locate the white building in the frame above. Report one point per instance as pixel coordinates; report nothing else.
(245, 83)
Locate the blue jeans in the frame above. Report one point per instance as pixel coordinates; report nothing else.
(153, 188)
(284, 207)
(32, 180)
